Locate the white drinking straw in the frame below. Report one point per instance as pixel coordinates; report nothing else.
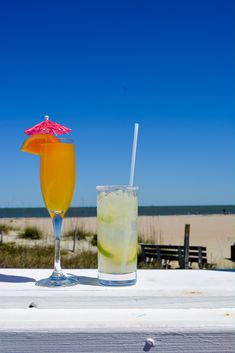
(132, 171)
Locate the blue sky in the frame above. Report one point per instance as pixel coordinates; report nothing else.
(100, 66)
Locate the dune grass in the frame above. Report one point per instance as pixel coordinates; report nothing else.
(6, 228)
(41, 256)
(18, 256)
(149, 265)
(93, 240)
(141, 239)
(21, 256)
(79, 233)
(31, 233)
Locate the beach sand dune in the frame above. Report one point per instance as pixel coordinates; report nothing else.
(216, 232)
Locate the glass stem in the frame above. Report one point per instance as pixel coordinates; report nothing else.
(57, 223)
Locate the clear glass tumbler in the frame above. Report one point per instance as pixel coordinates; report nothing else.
(117, 210)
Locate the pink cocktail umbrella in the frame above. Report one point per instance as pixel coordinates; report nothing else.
(47, 127)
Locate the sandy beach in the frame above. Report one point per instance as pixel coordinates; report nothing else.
(216, 232)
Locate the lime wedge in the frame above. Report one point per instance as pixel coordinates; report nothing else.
(133, 256)
(104, 218)
(103, 251)
(117, 258)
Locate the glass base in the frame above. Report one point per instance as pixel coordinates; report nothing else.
(58, 281)
(117, 279)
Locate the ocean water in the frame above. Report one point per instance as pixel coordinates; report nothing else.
(143, 211)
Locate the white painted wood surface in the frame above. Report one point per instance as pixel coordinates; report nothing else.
(182, 310)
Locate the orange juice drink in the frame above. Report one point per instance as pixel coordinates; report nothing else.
(57, 176)
(57, 179)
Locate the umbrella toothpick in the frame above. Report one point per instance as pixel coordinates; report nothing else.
(47, 127)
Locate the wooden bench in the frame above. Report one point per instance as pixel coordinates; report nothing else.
(164, 254)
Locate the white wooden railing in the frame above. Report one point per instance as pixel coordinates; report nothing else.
(166, 311)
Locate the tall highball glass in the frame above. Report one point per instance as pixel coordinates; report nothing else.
(117, 209)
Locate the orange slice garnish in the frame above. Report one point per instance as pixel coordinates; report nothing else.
(33, 144)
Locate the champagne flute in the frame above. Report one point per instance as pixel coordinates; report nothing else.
(57, 178)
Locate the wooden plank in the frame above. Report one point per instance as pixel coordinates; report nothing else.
(83, 342)
(195, 300)
(163, 251)
(142, 254)
(113, 320)
(22, 280)
(154, 287)
(175, 258)
(186, 246)
(200, 258)
(192, 247)
(128, 342)
(158, 253)
(172, 250)
(180, 257)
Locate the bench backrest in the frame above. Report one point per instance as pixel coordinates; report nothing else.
(173, 253)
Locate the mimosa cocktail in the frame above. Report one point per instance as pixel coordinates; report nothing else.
(57, 177)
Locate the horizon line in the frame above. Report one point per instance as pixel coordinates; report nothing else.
(190, 205)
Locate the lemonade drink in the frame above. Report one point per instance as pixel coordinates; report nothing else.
(117, 209)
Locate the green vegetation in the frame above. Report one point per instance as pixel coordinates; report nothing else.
(32, 233)
(149, 265)
(13, 256)
(25, 256)
(141, 239)
(145, 241)
(94, 240)
(79, 233)
(6, 228)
